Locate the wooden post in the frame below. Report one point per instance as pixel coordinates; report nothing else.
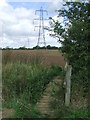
(68, 85)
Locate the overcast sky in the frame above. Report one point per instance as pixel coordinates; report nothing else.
(16, 23)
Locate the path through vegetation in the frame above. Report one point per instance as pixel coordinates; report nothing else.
(44, 104)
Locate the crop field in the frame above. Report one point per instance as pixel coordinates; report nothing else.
(47, 57)
(25, 76)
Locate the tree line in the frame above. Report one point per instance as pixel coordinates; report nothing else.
(34, 48)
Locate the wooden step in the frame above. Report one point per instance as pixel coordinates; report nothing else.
(43, 104)
(46, 93)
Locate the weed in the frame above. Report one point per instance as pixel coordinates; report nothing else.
(24, 110)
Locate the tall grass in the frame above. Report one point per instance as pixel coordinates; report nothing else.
(24, 80)
(75, 111)
(9, 56)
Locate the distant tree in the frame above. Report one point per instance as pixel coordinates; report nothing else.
(22, 48)
(52, 47)
(48, 47)
(36, 47)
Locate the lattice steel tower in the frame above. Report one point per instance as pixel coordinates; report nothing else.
(41, 35)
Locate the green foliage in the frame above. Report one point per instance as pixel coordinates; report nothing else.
(57, 95)
(57, 103)
(60, 110)
(26, 81)
(65, 112)
(23, 110)
(9, 104)
(75, 35)
(34, 48)
(22, 48)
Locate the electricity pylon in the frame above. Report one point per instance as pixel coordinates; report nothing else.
(41, 27)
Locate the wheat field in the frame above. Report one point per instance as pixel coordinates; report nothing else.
(46, 57)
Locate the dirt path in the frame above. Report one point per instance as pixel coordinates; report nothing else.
(6, 113)
(43, 104)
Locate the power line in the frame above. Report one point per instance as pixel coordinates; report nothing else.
(41, 27)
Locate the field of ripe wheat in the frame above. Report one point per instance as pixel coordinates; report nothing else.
(46, 57)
